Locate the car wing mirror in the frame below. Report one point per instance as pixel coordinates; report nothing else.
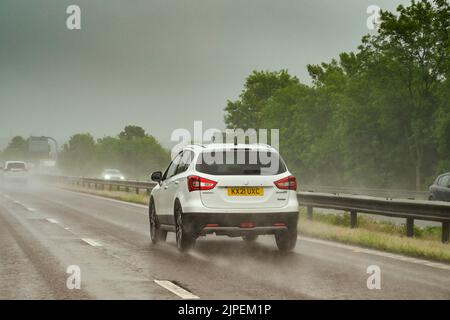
(156, 176)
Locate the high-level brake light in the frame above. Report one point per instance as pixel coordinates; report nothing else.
(247, 225)
(280, 224)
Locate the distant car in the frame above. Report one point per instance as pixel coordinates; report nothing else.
(15, 172)
(247, 198)
(440, 189)
(112, 174)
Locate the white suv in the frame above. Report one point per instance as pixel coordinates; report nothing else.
(242, 190)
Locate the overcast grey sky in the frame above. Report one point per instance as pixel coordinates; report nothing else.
(158, 64)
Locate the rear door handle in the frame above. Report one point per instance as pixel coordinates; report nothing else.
(177, 182)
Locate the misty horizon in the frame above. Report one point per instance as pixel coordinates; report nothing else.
(132, 64)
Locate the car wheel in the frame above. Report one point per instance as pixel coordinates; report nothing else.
(250, 238)
(184, 240)
(431, 198)
(156, 233)
(286, 240)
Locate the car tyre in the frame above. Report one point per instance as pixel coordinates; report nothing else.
(156, 234)
(286, 240)
(185, 241)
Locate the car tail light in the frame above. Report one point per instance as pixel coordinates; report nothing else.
(280, 224)
(247, 224)
(288, 183)
(212, 225)
(196, 183)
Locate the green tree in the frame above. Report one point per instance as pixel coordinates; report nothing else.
(442, 128)
(136, 158)
(139, 157)
(132, 152)
(132, 132)
(245, 112)
(17, 149)
(77, 156)
(410, 55)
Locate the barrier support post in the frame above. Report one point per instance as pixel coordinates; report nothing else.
(410, 227)
(353, 219)
(445, 232)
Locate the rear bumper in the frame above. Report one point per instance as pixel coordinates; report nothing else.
(230, 224)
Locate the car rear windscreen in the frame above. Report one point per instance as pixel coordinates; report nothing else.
(240, 162)
(16, 166)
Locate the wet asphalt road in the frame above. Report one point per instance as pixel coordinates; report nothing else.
(45, 230)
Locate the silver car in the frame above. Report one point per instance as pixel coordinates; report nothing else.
(112, 174)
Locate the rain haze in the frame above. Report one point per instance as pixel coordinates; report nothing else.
(157, 64)
(120, 180)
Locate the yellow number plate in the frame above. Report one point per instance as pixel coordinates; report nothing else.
(245, 191)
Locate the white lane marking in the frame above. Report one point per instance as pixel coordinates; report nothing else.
(91, 242)
(51, 220)
(70, 231)
(427, 263)
(20, 203)
(172, 287)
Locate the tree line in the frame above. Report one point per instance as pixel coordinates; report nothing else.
(376, 117)
(133, 151)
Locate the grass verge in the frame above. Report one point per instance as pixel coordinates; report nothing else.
(384, 236)
(117, 195)
(369, 224)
